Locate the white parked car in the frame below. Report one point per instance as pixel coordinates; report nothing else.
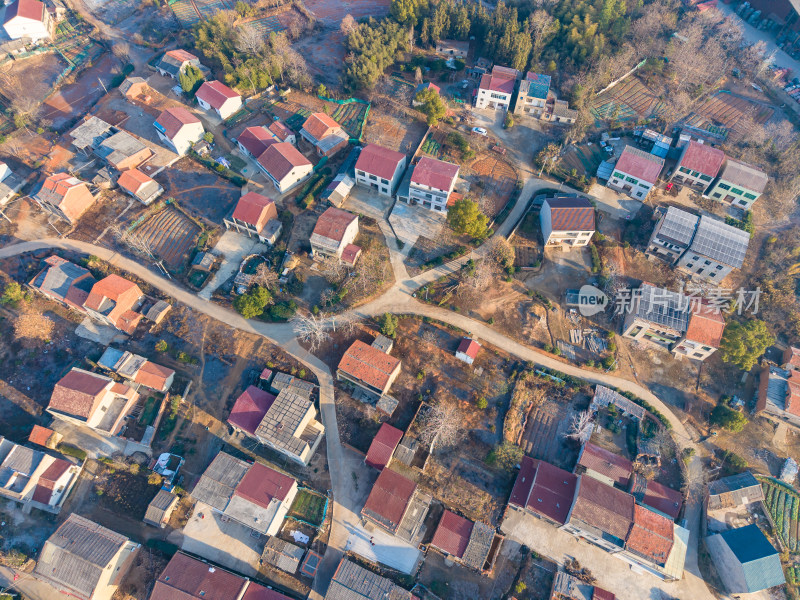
(479, 130)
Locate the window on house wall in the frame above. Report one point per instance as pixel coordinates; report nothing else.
(737, 191)
(750, 196)
(723, 186)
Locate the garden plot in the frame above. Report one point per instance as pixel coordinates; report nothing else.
(393, 130)
(309, 507)
(584, 159)
(171, 235)
(186, 13)
(723, 112)
(352, 117)
(334, 11)
(496, 180)
(629, 100)
(783, 504)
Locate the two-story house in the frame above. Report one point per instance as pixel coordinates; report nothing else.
(64, 196)
(431, 184)
(698, 165)
(174, 62)
(636, 172)
(532, 95)
(325, 134)
(368, 368)
(215, 96)
(716, 249)
(672, 234)
(496, 89)
(28, 19)
(567, 221)
(285, 167)
(452, 49)
(335, 230)
(380, 168)
(255, 216)
(179, 129)
(112, 301)
(739, 184)
(253, 141)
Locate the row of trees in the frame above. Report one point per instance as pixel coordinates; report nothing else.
(371, 49)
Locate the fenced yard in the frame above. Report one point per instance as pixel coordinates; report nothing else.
(309, 507)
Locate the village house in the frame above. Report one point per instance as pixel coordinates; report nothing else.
(215, 96)
(282, 555)
(35, 479)
(174, 62)
(353, 582)
(496, 89)
(655, 496)
(698, 165)
(161, 508)
(383, 446)
(430, 183)
(567, 221)
(739, 184)
(10, 184)
(396, 505)
(335, 230)
(253, 141)
(63, 282)
(281, 133)
(779, 395)
(139, 185)
(64, 196)
(380, 168)
(466, 542)
(716, 249)
(92, 400)
(452, 49)
(42, 436)
(137, 369)
(604, 397)
(112, 301)
(249, 493)
(467, 350)
(734, 491)
(286, 422)
(179, 129)
(325, 134)
(368, 368)
(672, 234)
(745, 560)
(558, 111)
(123, 151)
(671, 320)
(532, 95)
(544, 491)
(607, 467)
(636, 172)
(255, 216)
(135, 88)
(567, 587)
(28, 19)
(85, 560)
(187, 578)
(284, 165)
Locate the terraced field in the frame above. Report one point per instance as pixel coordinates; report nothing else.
(626, 101)
(351, 117)
(171, 235)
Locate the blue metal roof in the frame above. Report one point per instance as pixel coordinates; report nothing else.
(760, 562)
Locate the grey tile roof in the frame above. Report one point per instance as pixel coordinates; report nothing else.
(745, 175)
(678, 226)
(57, 279)
(218, 481)
(352, 582)
(663, 307)
(480, 543)
(283, 555)
(23, 460)
(119, 146)
(158, 507)
(721, 242)
(282, 420)
(604, 396)
(90, 133)
(284, 380)
(74, 557)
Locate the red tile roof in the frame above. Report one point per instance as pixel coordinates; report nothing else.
(651, 535)
(383, 446)
(706, 327)
(434, 173)
(153, 376)
(280, 130)
(215, 93)
(186, 578)
(261, 484)
(259, 592)
(181, 55)
(497, 83)
(791, 357)
(133, 179)
(255, 209)
(333, 223)
(256, 140)
(469, 347)
(571, 214)
(320, 125)
(56, 469)
(389, 498)
(606, 463)
(279, 159)
(640, 164)
(544, 489)
(250, 408)
(174, 119)
(365, 363)
(39, 435)
(379, 161)
(124, 294)
(452, 534)
(350, 254)
(27, 9)
(601, 594)
(604, 507)
(703, 158)
(656, 496)
(76, 393)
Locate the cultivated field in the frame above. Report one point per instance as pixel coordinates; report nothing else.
(170, 234)
(629, 100)
(493, 184)
(333, 11)
(723, 113)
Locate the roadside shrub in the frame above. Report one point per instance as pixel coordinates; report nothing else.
(482, 403)
(162, 346)
(73, 451)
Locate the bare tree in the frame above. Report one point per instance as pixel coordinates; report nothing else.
(429, 336)
(442, 426)
(581, 426)
(311, 329)
(122, 50)
(266, 277)
(348, 25)
(499, 250)
(540, 25)
(249, 40)
(137, 243)
(418, 75)
(332, 269)
(345, 322)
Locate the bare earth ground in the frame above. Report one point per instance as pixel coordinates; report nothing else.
(35, 75)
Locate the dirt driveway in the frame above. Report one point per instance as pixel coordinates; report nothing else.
(562, 270)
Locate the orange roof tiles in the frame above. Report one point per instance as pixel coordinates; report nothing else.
(255, 209)
(152, 375)
(181, 55)
(281, 131)
(39, 435)
(333, 223)
(320, 125)
(651, 535)
(369, 365)
(706, 327)
(469, 347)
(280, 159)
(256, 140)
(133, 179)
(76, 393)
(571, 214)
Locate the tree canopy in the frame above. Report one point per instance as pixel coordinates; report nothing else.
(253, 303)
(743, 344)
(371, 49)
(388, 324)
(465, 217)
(433, 107)
(724, 416)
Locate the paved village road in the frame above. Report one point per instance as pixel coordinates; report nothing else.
(341, 462)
